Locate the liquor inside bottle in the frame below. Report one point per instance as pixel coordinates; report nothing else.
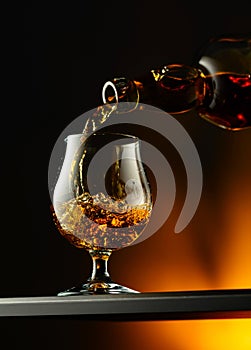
(227, 100)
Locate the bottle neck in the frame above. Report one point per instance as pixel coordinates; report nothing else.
(174, 88)
(122, 93)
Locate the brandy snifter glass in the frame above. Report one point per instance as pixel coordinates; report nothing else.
(102, 202)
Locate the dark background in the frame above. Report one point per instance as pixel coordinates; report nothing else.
(63, 54)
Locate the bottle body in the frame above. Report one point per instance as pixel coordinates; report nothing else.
(217, 85)
(225, 65)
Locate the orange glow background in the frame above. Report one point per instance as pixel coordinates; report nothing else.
(213, 252)
(73, 48)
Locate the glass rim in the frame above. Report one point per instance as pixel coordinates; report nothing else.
(97, 133)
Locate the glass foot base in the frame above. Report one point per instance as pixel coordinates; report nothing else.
(97, 288)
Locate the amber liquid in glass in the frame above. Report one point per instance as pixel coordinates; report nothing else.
(98, 222)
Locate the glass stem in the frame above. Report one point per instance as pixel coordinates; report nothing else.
(100, 266)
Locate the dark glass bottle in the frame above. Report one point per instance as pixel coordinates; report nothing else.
(217, 84)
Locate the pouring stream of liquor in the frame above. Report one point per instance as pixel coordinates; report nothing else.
(98, 118)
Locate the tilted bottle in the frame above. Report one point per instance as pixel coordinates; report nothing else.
(217, 84)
